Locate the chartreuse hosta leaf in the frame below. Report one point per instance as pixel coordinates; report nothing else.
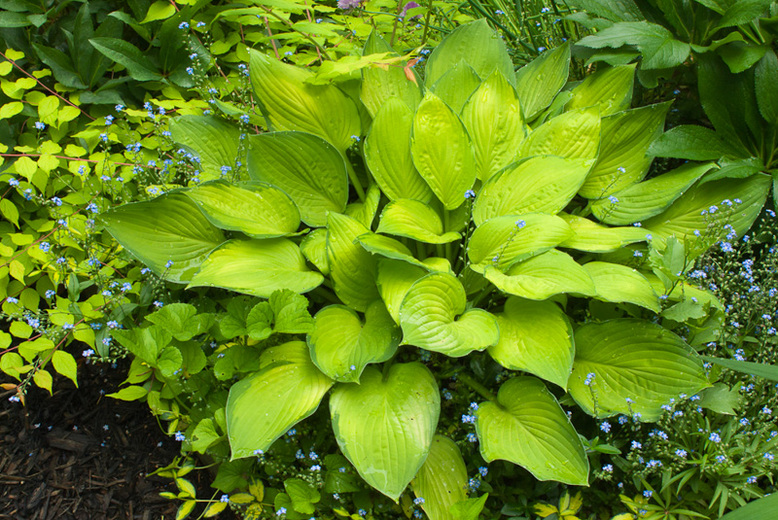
(442, 480)
(385, 425)
(414, 219)
(526, 426)
(610, 89)
(648, 198)
(352, 268)
(314, 248)
(364, 212)
(388, 153)
(390, 248)
(260, 408)
(535, 337)
(542, 276)
(394, 279)
(442, 152)
(692, 211)
(539, 81)
(433, 317)
(575, 135)
(476, 44)
(492, 117)
(341, 345)
(292, 104)
(637, 367)
(256, 209)
(542, 184)
(621, 284)
(169, 234)
(503, 241)
(380, 85)
(212, 139)
(596, 238)
(257, 267)
(456, 86)
(306, 167)
(623, 158)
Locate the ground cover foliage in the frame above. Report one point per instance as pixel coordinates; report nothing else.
(422, 240)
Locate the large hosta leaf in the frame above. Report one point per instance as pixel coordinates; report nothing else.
(314, 248)
(539, 81)
(638, 366)
(503, 241)
(352, 268)
(433, 317)
(306, 167)
(414, 219)
(257, 267)
(442, 151)
(493, 119)
(385, 425)
(381, 84)
(596, 238)
(648, 198)
(692, 211)
(256, 209)
(394, 279)
(538, 184)
(341, 345)
(535, 337)
(527, 426)
(622, 284)
(610, 89)
(623, 159)
(293, 104)
(456, 86)
(263, 406)
(167, 229)
(212, 139)
(442, 480)
(475, 43)
(540, 277)
(575, 135)
(389, 248)
(388, 153)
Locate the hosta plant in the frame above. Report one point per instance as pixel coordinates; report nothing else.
(478, 209)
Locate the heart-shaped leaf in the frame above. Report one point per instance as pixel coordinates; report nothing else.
(637, 367)
(256, 209)
(416, 220)
(527, 426)
(503, 241)
(212, 139)
(542, 184)
(380, 85)
(442, 480)
(385, 425)
(535, 337)
(433, 317)
(352, 269)
(540, 277)
(394, 279)
(648, 198)
(574, 135)
(493, 119)
(314, 247)
(610, 89)
(596, 238)
(388, 153)
(292, 103)
(442, 152)
(257, 267)
(263, 406)
(539, 81)
(341, 345)
(169, 234)
(622, 284)
(306, 167)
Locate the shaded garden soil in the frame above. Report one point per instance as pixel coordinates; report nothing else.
(82, 456)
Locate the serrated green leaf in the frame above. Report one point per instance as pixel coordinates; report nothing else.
(574, 135)
(535, 337)
(442, 479)
(352, 268)
(638, 366)
(416, 220)
(621, 284)
(212, 139)
(526, 426)
(433, 317)
(721, 399)
(257, 267)
(263, 406)
(385, 425)
(610, 89)
(538, 82)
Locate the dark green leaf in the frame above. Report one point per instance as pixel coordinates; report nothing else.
(128, 55)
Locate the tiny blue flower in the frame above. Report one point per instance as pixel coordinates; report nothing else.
(183, 25)
(608, 468)
(40, 126)
(715, 437)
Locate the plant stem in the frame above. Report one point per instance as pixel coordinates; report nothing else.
(478, 387)
(446, 228)
(355, 180)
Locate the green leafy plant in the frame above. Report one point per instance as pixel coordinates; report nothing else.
(485, 182)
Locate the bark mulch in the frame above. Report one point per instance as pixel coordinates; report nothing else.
(82, 456)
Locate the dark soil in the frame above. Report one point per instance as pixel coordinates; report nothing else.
(82, 456)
